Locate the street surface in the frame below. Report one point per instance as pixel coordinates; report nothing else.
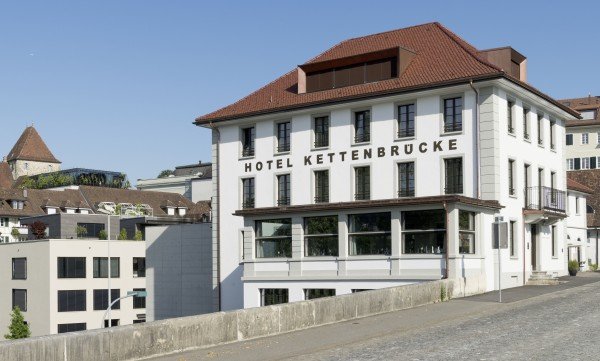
(534, 323)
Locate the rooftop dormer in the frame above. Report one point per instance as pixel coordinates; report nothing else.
(507, 59)
(353, 70)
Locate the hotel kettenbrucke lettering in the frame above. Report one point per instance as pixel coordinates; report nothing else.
(355, 154)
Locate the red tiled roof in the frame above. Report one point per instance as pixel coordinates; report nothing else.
(442, 58)
(576, 186)
(30, 146)
(580, 104)
(6, 178)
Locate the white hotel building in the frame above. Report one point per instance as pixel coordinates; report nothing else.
(382, 162)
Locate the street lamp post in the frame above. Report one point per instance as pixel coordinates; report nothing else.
(108, 262)
(129, 294)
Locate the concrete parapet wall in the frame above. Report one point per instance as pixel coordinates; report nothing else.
(178, 334)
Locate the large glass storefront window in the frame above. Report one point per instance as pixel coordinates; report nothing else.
(466, 225)
(321, 236)
(370, 234)
(424, 231)
(274, 238)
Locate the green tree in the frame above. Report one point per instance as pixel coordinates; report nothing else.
(17, 328)
(138, 236)
(15, 233)
(103, 235)
(122, 235)
(81, 231)
(165, 173)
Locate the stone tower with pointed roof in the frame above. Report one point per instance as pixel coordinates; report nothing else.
(30, 155)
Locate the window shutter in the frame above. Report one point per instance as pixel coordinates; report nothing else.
(592, 162)
(577, 163)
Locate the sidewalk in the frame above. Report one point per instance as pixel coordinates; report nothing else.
(400, 324)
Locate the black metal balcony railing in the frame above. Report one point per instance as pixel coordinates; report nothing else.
(248, 203)
(283, 147)
(362, 137)
(322, 199)
(321, 140)
(406, 132)
(283, 201)
(362, 196)
(406, 192)
(545, 198)
(248, 151)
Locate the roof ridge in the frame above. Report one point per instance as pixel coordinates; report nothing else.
(390, 31)
(456, 38)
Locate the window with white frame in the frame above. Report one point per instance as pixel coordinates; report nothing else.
(512, 229)
(585, 163)
(466, 225)
(570, 164)
(585, 138)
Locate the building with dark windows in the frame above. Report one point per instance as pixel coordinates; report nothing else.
(582, 139)
(384, 161)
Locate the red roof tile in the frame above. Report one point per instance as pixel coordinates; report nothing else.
(30, 146)
(6, 178)
(442, 58)
(576, 186)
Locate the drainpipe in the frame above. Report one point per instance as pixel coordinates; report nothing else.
(477, 140)
(524, 271)
(218, 210)
(446, 241)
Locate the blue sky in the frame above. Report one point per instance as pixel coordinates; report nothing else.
(116, 84)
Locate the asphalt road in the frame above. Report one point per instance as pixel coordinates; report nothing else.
(536, 323)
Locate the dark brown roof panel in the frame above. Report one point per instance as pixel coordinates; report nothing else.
(30, 146)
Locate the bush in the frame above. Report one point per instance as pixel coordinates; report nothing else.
(81, 231)
(138, 236)
(573, 265)
(15, 233)
(103, 235)
(593, 267)
(17, 328)
(122, 235)
(38, 228)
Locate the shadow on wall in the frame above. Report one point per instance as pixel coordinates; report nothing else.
(179, 271)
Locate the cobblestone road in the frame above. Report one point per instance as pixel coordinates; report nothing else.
(562, 324)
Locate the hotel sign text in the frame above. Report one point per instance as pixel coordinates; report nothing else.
(355, 154)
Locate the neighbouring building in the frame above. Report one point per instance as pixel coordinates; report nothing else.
(192, 181)
(582, 149)
(31, 156)
(61, 285)
(579, 246)
(591, 179)
(384, 161)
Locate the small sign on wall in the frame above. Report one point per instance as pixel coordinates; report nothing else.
(500, 235)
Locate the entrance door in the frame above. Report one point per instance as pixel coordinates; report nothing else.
(534, 236)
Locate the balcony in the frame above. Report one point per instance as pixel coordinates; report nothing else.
(544, 204)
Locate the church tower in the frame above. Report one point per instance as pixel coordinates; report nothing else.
(31, 156)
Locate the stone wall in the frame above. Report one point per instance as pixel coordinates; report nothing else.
(174, 335)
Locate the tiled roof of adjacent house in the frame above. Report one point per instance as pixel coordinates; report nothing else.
(580, 104)
(6, 178)
(576, 186)
(200, 209)
(591, 179)
(441, 58)
(30, 146)
(156, 200)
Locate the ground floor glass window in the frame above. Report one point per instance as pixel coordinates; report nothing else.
(274, 238)
(466, 225)
(312, 293)
(370, 234)
(321, 236)
(273, 296)
(424, 231)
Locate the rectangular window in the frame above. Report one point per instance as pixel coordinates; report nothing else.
(248, 193)
(362, 126)
(540, 129)
(113, 322)
(406, 121)
(101, 299)
(312, 293)
(362, 183)
(139, 266)
(585, 138)
(71, 327)
(453, 114)
(283, 136)
(274, 238)
(71, 300)
(248, 142)
(585, 163)
(553, 235)
(321, 186)
(511, 179)
(19, 299)
(512, 238)
(509, 116)
(89, 230)
(525, 124)
(321, 132)
(570, 164)
(71, 267)
(526, 184)
(101, 267)
(139, 302)
(3, 222)
(283, 189)
(19, 268)
(321, 236)
(370, 234)
(273, 296)
(552, 146)
(569, 139)
(424, 232)
(454, 177)
(406, 179)
(576, 205)
(466, 226)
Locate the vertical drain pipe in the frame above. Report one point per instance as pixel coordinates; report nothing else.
(447, 239)
(218, 211)
(477, 139)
